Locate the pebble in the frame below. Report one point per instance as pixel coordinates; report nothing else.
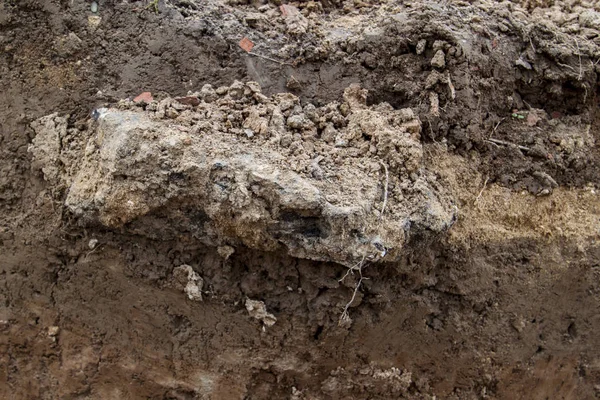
(421, 46)
(53, 330)
(94, 21)
(225, 251)
(94, 7)
(439, 60)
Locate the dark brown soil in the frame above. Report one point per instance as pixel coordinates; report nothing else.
(504, 305)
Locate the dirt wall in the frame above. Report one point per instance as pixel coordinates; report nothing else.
(499, 303)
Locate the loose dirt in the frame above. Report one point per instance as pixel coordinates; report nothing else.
(312, 200)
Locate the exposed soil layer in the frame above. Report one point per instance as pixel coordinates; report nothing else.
(379, 200)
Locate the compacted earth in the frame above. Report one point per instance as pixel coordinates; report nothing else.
(360, 199)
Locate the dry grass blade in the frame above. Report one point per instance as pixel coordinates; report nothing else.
(385, 189)
(504, 143)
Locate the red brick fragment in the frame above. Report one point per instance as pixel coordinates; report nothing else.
(145, 97)
(246, 44)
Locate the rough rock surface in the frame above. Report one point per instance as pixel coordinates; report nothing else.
(247, 169)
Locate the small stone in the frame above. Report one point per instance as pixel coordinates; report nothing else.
(329, 133)
(93, 243)
(433, 79)
(406, 114)
(221, 90)
(286, 140)
(172, 113)
(192, 282)
(286, 101)
(236, 90)
(94, 22)
(413, 126)
(523, 63)
(225, 251)
(532, 119)
(311, 113)
(421, 45)
(345, 109)
(373, 34)
(53, 331)
(293, 83)
(254, 87)
(439, 60)
(258, 310)
(94, 7)
(316, 171)
(254, 19)
(440, 45)
(299, 122)
(260, 98)
(188, 100)
(341, 142)
(208, 94)
(249, 133)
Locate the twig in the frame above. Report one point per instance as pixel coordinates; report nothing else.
(502, 142)
(385, 190)
(268, 58)
(496, 127)
(481, 192)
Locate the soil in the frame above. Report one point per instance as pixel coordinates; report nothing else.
(370, 199)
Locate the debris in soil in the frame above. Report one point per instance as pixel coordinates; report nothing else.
(93, 243)
(145, 97)
(246, 44)
(439, 60)
(225, 251)
(189, 281)
(198, 168)
(258, 310)
(386, 382)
